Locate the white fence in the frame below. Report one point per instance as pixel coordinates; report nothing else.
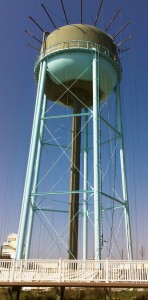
(73, 271)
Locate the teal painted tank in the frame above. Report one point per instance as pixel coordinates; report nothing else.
(69, 54)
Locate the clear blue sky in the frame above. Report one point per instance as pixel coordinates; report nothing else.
(18, 90)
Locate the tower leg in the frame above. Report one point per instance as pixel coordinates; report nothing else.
(35, 181)
(60, 293)
(106, 294)
(85, 203)
(14, 293)
(74, 183)
(31, 163)
(123, 175)
(97, 158)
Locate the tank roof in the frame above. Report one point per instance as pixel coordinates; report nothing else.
(81, 32)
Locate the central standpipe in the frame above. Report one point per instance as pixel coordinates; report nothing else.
(74, 183)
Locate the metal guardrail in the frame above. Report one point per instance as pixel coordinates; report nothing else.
(76, 44)
(73, 271)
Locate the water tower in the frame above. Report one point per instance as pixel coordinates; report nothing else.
(78, 70)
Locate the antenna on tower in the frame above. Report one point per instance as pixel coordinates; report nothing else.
(36, 24)
(128, 38)
(121, 29)
(112, 20)
(33, 47)
(64, 11)
(81, 17)
(30, 34)
(98, 12)
(123, 50)
(48, 15)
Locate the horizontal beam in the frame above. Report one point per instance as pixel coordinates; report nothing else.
(55, 145)
(112, 208)
(67, 116)
(54, 210)
(107, 208)
(50, 209)
(75, 284)
(112, 198)
(60, 193)
(109, 141)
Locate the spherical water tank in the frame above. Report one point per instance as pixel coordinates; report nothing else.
(69, 54)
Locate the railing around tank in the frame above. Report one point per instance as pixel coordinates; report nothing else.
(73, 271)
(74, 44)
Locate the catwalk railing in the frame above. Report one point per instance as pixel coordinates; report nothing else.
(76, 45)
(73, 271)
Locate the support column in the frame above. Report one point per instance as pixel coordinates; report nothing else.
(106, 294)
(14, 293)
(35, 181)
(31, 163)
(97, 158)
(74, 182)
(123, 175)
(85, 184)
(60, 293)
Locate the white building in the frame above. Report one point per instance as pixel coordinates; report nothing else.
(9, 248)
